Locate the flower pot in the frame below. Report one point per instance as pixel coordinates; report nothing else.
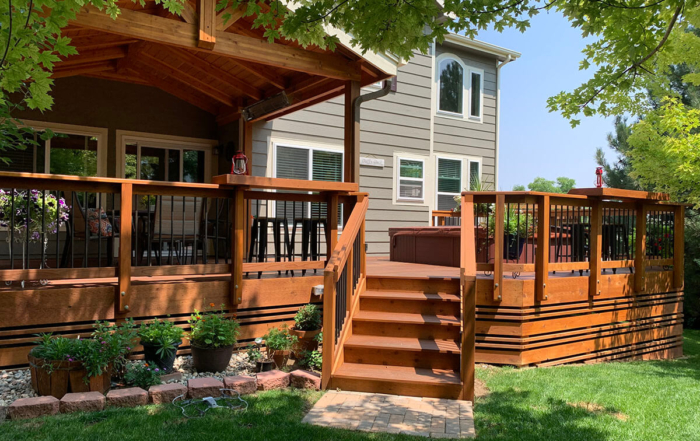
(58, 377)
(150, 352)
(281, 358)
(211, 359)
(513, 246)
(264, 366)
(306, 341)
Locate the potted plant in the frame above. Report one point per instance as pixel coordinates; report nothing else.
(60, 365)
(517, 228)
(279, 342)
(307, 325)
(212, 337)
(160, 340)
(263, 361)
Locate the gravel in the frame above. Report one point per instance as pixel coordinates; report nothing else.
(17, 383)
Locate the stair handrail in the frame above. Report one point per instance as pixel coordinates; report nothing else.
(334, 271)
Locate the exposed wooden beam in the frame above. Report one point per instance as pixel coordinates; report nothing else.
(308, 96)
(219, 74)
(112, 53)
(207, 24)
(102, 41)
(124, 77)
(232, 15)
(352, 133)
(83, 69)
(161, 30)
(194, 81)
(264, 72)
(228, 115)
(189, 14)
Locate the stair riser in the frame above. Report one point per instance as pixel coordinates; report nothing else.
(394, 388)
(392, 357)
(411, 306)
(432, 286)
(422, 331)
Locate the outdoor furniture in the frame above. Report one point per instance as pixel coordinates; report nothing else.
(309, 237)
(78, 227)
(258, 236)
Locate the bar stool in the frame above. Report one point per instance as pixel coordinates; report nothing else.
(259, 229)
(309, 237)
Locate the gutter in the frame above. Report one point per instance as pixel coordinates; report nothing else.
(384, 91)
(499, 65)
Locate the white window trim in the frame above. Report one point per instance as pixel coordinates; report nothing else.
(70, 129)
(438, 193)
(400, 198)
(468, 171)
(466, 91)
(125, 137)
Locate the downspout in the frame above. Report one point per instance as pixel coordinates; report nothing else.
(508, 59)
(384, 91)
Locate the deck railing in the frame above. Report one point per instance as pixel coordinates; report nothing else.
(442, 218)
(344, 280)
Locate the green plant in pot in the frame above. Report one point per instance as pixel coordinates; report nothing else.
(59, 365)
(160, 340)
(263, 360)
(307, 325)
(212, 338)
(280, 342)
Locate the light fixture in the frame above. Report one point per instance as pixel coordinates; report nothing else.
(266, 106)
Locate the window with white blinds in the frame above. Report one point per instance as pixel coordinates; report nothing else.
(449, 182)
(411, 179)
(306, 164)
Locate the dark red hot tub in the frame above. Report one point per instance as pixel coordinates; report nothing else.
(426, 245)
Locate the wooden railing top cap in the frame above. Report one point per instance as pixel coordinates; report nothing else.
(284, 184)
(520, 193)
(620, 193)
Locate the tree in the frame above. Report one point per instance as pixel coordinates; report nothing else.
(617, 175)
(562, 185)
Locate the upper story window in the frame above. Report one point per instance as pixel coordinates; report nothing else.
(459, 88)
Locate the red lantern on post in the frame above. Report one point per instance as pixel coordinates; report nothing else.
(599, 177)
(239, 164)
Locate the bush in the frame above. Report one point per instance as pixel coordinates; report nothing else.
(279, 339)
(212, 329)
(691, 301)
(312, 360)
(163, 334)
(143, 375)
(308, 318)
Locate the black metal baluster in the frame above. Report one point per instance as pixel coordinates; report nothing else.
(216, 231)
(149, 245)
(43, 228)
(182, 244)
(172, 230)
(58, 230)
(12, 229)
(72, 229)
(159, 202)
(99, 230)
(87, 230)
(205, 245)
(26, 223)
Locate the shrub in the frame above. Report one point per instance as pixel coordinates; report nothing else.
(312, 360)
(279, 339)
(212, 329)
(143, 375)
(308, 318)
(163, 334)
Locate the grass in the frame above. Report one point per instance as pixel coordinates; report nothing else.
(651, 400)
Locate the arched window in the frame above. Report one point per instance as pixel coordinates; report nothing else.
(451, 86)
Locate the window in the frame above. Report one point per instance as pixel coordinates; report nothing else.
(146, 160)
(449, 182)
(410, 176)
(475, 94)
(474, 175)
(305, 163)
(451, 86)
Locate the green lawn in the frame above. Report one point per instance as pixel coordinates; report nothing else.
(614, 401)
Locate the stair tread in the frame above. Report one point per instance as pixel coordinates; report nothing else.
(410, 295)
(403, 343)
(401, 317)
(400, 374)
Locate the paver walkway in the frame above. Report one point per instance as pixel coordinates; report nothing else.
(429, 417)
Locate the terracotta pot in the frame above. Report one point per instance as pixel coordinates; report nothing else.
(57, 378)
(281, 358)
(150, 352)
(306, 341)
(211, 359)
(264, 366)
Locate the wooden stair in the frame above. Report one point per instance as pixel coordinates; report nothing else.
(404, 339)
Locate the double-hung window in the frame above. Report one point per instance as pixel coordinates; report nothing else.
(449, 182)
(411, 179)
(459, 89)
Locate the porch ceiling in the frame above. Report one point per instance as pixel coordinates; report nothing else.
(220, 68)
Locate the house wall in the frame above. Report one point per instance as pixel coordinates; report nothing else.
(396, 125)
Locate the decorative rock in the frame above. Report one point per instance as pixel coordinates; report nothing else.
(166, 393)
(204, 387)
(273, 380)
(174, 376)
(3, 414)
(82, 402)
(242, 384)
(129, 397)
(305, 380)
(25, 408)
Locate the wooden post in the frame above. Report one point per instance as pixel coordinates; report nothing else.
(352, 133)
(237, 244)
(596, 249)
(542, 255)
(332, 210)
(123, 293)
(640, 248)
(678, 246)
(468, 282)
(328, 327)
(207, 24)
(498, 245)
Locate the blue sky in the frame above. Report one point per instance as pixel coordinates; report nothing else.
(535, 142)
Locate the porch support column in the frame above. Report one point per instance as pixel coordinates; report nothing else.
(245, 140)
(352, 133)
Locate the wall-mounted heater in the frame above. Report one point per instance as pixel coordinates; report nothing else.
(266, 106)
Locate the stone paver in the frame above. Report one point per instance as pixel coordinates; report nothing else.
(166, 393)
(426, 417)
(243, 384)
(25, 408)
(204, 387)
(129, 397)
(273, 380)
(82, 402)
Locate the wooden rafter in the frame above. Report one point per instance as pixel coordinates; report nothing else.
(189, 15)
(161, 30)
(262, 71)
(207, 24)
(124, 77)
(220, 74)
(322, 91)
(72, 71)
(101, 41)
(235, 14)
(112, 53)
